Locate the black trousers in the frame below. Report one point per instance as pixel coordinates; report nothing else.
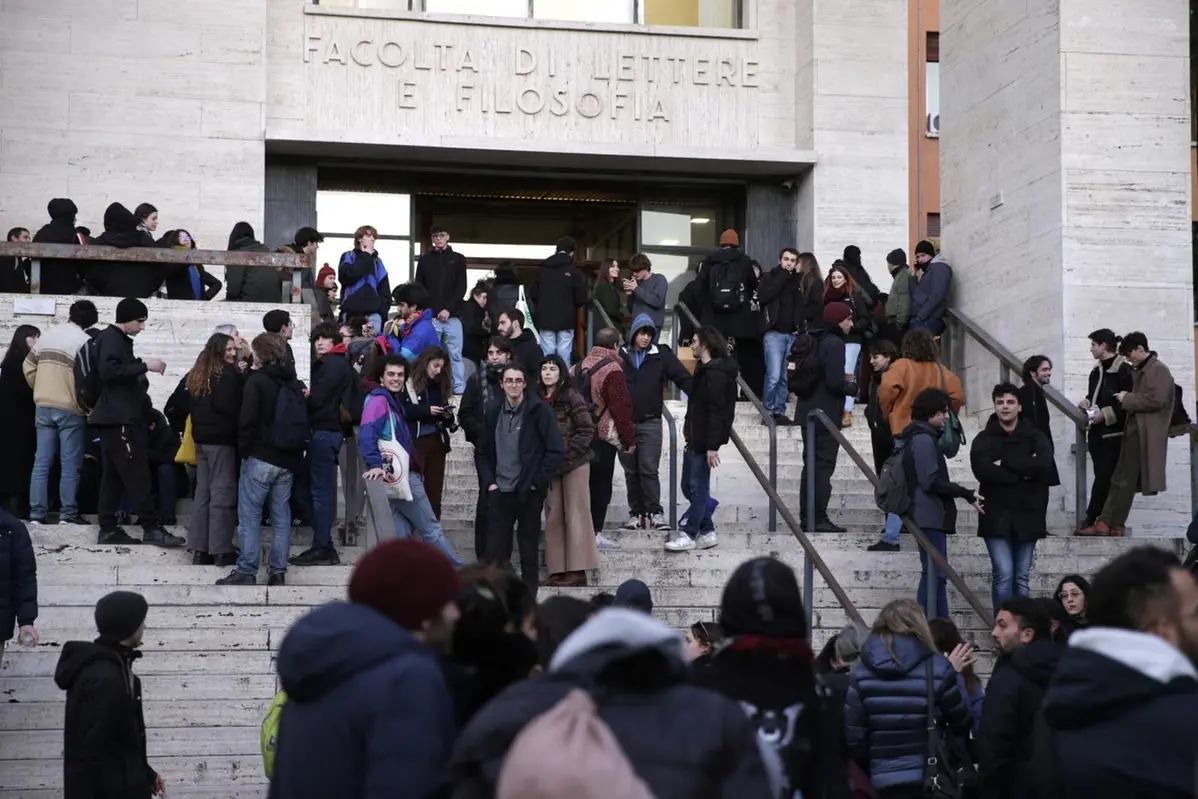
(603, 471)
(508, 510)
(125, 471)
(826, 450)
(1104, 454)
(480, 521)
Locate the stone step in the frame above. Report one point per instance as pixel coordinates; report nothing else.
(164, 742)
(191, 771)
(212, 687)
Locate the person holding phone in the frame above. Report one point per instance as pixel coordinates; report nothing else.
(427, 405)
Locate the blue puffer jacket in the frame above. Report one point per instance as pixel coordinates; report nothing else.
(886, 708)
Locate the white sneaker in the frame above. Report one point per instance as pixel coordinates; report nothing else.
(658, 522)
(705, 541)
(633, 523)
(681, 543)
(603, 543)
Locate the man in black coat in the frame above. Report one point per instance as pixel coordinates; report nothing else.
(1028, 659)
(830, 390)
(517, 458)
(484, 387)
(778, 292)
(476, 329)
(558, 290)
(59, 276)
(133, 279)
(524, 345)
(724, 293)
(1013, 464)
(443, 272)
(104, 732)
(121, 421)
(18, 581)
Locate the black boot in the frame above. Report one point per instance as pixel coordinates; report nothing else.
(159, 537)
(116, 535)
(202, 559)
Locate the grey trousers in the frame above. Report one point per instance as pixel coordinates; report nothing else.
(641, 467)
(353, 488)
(213, 518)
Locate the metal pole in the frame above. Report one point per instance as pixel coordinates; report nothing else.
(773, 526)
(1004, 372)
(809, 487)
(1079, 465)
(673, 471)
(674, 338)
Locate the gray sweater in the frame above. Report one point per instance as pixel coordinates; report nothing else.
(650, 298)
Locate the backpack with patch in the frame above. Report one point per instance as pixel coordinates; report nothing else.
(353, 399)
(580, 381)
(87, 375)
(588, 762)
(270, 733)
(803, 372)
(289, 431)
(727, 289)
(895, 491)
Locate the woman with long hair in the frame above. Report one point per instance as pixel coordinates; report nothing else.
(570, 548)
(427, 401)
(811, 292)
(840, 287)
(917, 369)
(191, 282)
(961, 655)
(215, 386)
(886, 708)
(147, 217)
(608, 293)
(1072, 592)
(19, 414)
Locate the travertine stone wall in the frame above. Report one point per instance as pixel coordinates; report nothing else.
(175, 331)
(134, 101)
(1066, 190)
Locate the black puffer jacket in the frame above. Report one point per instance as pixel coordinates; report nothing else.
(214, 416)
(60, 277)
(505, 294)
(124, 387)
(443, 273)
(778, 294)
(18, 576)
(810, 305)
(832, 387)
(684, 742)
(558, 290)
(741, 323)
(1014, 470)
(117, 279)
(332, 389)
(711, 406)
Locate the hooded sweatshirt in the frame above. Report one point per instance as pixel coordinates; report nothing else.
(252, 283)
(367, 709)
(558, 289)
(117, 279)
(648, 370)
(58, 276)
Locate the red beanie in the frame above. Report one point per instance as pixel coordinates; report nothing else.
(729, 238)
(407, 581)
(836, 312)
(325, 271)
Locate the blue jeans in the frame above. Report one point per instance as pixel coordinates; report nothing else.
(940, 541)
(933, 326)
(322, 480)
(558, 341)
(894, 526)
(851, 353)
(1010, 565)
(56, 428)
(451, 335)
(262, 482)
(417, 514)
(777, 348)
(696, 487)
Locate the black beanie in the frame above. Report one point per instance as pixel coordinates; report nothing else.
(131, 309)
(925, 247)
(897, 257)
(852, 255)
(119, 614)
(762, 598)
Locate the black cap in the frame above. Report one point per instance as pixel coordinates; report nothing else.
(897, 257)
(131, 309)
(634, 595)
(925, 247)
(119, 614)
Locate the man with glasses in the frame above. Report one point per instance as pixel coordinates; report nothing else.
(517, 456)
(443, 272)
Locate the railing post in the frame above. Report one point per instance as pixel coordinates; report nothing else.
(674, 338)
(35, 276)
(1004, 373)
(673, 468)
(809, 487)
(773, 522)
(1079, 465)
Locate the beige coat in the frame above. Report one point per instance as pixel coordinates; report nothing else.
(569, 533)
(1149, 406)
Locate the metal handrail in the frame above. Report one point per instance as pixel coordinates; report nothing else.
(159, 256)
(920, 538)
(671, 422)
(769, 421)
(1007, 362)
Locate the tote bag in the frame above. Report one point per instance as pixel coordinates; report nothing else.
(522, 306)
(187, 447)
(395, 463)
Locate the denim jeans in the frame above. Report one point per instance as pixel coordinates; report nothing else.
(417, 514)
(851, 353)
(451, 335)
(777, 348)
(940, 541)
(1010, 565)
(696, 487)
(263, 482)
(56, 428)
(322, 479)
(558, 341)
(894, 526)
(933, 326)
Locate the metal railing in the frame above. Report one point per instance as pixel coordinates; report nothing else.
(819, 417)
(161, 256)
(765, 415)
(671, 423)
(1007, 362)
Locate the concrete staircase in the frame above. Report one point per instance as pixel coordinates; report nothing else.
(208, 673)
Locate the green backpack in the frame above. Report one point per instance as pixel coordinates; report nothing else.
(270, 733)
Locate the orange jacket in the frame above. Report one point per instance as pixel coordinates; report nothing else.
(903, 381)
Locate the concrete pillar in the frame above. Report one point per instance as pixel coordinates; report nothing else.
(852, 111)
(290, 201)
(770, 222)
(1065, 161)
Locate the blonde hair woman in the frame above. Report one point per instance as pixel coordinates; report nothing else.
(886, 708)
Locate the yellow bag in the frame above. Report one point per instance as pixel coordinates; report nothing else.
(270, 733)
(187, 447)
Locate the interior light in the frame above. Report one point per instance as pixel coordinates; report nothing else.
(700, 220)
(669, 242)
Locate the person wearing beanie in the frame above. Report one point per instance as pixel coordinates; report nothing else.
(857, 271)
(104, 734)
(322, 295)
(126, 279)
(368, 712)
(929, 293)
(252, 283)
(766, 666)
(723, 294)
(119, 418)
(898, 301)
(823, 369)
(557, 291)
(60, 276)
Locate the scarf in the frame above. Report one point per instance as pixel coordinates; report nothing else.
(833, 294)
(404, 326)
(798, 647)
(193, 275)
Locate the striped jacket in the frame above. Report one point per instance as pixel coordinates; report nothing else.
(50, 367)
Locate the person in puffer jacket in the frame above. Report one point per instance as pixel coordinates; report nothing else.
(886, 708)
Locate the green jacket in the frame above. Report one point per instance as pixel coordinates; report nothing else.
(611, 299)
(898, 302)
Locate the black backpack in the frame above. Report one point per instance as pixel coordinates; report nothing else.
(352, 399)
(803, 366)
(1180, 416)
(580, 381)
(289, 431)
(87, 375)
(895, 491)
(727, 289)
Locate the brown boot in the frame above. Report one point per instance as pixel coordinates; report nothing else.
(1102, 529)
(1087, 530)
(573, 580)
(553, 580)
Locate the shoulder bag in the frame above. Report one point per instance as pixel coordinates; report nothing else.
(396, 463)
(953, 437)
(948, 773)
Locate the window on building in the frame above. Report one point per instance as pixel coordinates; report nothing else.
(691, 13)
(681, 13)
(616, 11)
(488, 8)
(932, 87)
(933, 226)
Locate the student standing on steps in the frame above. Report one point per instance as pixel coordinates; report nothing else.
(443, 273)
(708, 426)
(482, 388)
(1106, 416)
